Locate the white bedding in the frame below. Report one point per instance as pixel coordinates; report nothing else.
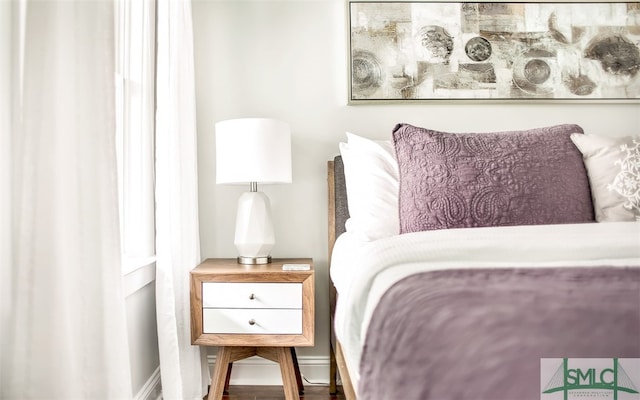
(363, 271)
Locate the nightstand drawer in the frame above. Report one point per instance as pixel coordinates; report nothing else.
(251, 295)
(252, 321)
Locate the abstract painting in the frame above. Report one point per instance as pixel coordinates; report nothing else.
(494, 51)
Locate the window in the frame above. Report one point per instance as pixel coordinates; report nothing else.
(135, 105)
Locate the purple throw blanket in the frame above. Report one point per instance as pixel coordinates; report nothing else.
(479, 334)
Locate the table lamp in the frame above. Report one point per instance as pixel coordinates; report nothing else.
(253, 150)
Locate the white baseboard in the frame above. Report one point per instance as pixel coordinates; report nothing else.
(258, 371)
(152, 389)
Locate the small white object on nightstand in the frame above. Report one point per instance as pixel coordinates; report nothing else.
(296, 267)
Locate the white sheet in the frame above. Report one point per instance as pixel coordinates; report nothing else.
(363, 271)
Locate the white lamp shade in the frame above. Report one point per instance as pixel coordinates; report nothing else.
(253, 150)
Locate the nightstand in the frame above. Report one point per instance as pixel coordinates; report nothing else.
(249, 310)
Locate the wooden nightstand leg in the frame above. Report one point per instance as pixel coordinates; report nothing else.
(288, 374)
(297, 369)
(282, 355)
(219, 375)
(228, 379)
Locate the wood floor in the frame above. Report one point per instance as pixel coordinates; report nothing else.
(277, 393)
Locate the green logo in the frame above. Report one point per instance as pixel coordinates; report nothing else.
(591, 378)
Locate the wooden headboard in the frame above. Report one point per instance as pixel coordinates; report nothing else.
(338, 213)
(338, 207)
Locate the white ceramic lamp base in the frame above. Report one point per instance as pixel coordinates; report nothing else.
(254, 229)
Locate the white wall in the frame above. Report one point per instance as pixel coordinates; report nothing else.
(287, 60)
(142, 332)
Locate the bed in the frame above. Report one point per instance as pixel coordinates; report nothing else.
(468, 265)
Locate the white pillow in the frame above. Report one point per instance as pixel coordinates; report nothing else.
(371, 175)
(612, 167)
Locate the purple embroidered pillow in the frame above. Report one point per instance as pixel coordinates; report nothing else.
(457, 180)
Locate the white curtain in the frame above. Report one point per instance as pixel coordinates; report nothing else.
(6, 72)
(183, 367)
(67, 336)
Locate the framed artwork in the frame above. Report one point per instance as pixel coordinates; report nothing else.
(440, 50)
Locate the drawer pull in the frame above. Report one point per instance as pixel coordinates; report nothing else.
(252, 296)
(252, 321)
